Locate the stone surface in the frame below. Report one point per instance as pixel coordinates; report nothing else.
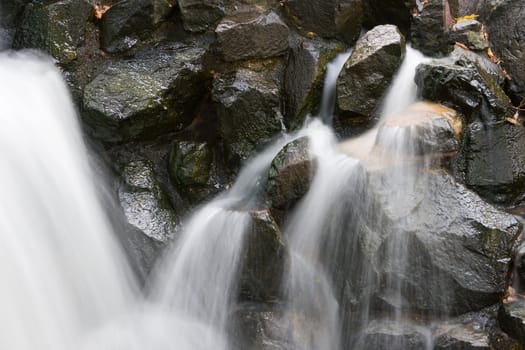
(304, 78)
(146, 96)
(10, 16)
(248, 111)
(327, 18)
(263, 260)
(289, 177)
(191, 170)
(55, 27)
(429, 31)
(512, 319)
(397, 12)
(507, 40)
(128, 22)
(199, 15)
(252, 35)
(383, 335)
(368, 72)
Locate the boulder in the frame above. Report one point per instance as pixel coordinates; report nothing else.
(146, 96)
(481, 8)
(511, 317)
(469, 32)
(253, 34)
(191, 169)
(151, 221)
(289, 177)
(327, 18)
(507, 40)
(454, 336)
(128, 22)
(368, 73)
(55, 27)
(248, 107)
(263, 260)
(304, 78)
(429, 30)
(384, 335)
(200, 15)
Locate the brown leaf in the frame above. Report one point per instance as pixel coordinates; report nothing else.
(513, 121)
(463, 46)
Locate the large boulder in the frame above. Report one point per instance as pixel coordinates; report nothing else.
(304, 77)
(429, 30)
(507, 40)
(55, 27)
(327, 18)
(249, 112)
(368, 73)
(128, 22)
(191, 169)
(253, 34)
(151, 94)
(151, 220)
(263, 261)
(199, 15)
(289, 177)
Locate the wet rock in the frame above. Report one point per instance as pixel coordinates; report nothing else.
(397, 12)
(149, 95)
(512, 319)
(10, 15)
(252, 35)
(507, 40)
(454, 243)
(199, 15)
(128, 22)
(481, 8)
(191, 170)
(151, 219)
(263, 260)
(327, 18)
(289, 177)
(461, 337)
(466, 25)
(368, 72)
(248, 112)
(428, 129)
(304, 77)
(259, 327)
(55, 27)
(383, 335)
(481, 61)
(429, 30)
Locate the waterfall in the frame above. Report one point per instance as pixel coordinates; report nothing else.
(63, 272)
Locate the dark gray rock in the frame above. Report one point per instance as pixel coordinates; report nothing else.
(263, 260)
(512, 319)
(507, 40)
(397, 12)
(479, 60)
(384, 335)
(482, 8)
(304, 77)
(368, 72)
(55, 27)
(252, 35)
(466, 25)
(10, 15)
(428, 31)
(289, 177)
(151, 221)
(127, 22)
(461, 337)
(191, 170)
(149, 95)
(248, 111)
(200, 15)
(327, 18)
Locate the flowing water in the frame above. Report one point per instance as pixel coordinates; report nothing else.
(69, 285)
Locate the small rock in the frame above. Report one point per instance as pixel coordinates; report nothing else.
(428, 31)
(385, 335)
(512, 319)
(466, 25)
(200, 15)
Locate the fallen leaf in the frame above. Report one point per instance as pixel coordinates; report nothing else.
(513, 121)
(310, 35)
(100, 9)
(472, 16)
(463, 46)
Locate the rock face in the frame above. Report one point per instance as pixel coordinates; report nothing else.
(199, 15)
(512, 319)
(289, 177)
(55, 27)
(397, 12)
(491, 159)
(382, 335)
(248, 111)
(429, 30)
(263, 260)
(304, 76)
(259, 328)
(368, 72)
(507, 39)
(146, 96)
(252, 35)
(151, 219)
(10, 15)
(191, 170)
(327, 18)
(130, 21)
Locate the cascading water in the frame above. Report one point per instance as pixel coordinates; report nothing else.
(63, 271)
